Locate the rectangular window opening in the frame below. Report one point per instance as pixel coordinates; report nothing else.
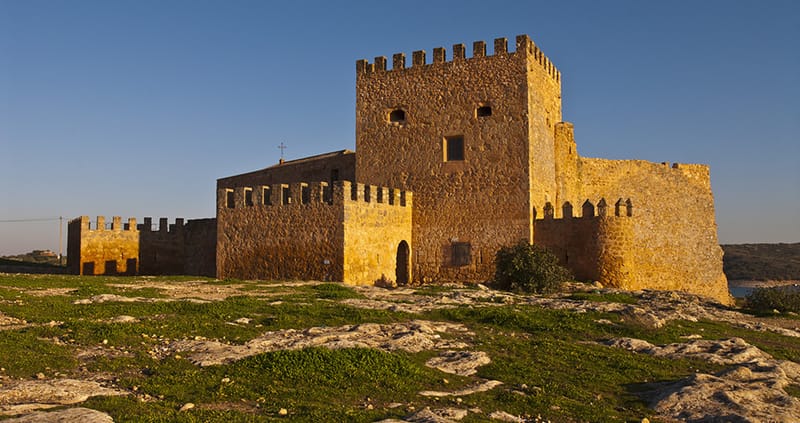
(230, 201)
(454, 148)
(327, 193)
(286, 195)
(305, 194)
(461, 253)
(248, 197)
(266, 196)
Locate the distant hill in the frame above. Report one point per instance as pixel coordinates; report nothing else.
(37, 261)
(34, 257)
(762, 261)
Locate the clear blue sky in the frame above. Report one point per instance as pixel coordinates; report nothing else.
(135, 108)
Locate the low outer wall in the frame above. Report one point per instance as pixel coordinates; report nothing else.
(132, 249)
(594, 248)
(102, 251)
(279, 241)
(201, 247)
(675, 242)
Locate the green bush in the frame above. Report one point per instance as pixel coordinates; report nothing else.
(528, 268)
(781, 298)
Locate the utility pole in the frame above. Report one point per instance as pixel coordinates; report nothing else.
(60, 239)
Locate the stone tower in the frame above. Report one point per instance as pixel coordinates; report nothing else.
(472, 137)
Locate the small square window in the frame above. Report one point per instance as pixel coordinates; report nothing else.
(483, 111)
(462, 252)
(397, 116)
(454, 148)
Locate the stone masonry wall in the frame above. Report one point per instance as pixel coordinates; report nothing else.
(595, 247)
(544, 111)
(330, 235)
(284, 240)
(132, 249)
(161, 252)
(102, 250)
(200, 250)
(373, 231)
(482, 201)
(675, 245)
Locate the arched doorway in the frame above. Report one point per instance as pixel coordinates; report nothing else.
(403, 269)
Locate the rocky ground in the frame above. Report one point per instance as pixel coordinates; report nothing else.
(751, 385)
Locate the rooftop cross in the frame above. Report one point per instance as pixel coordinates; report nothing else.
(282, 147)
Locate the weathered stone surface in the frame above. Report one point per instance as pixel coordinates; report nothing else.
(353, 237)
(70, 415)
(414, 336)
(131, 249)
(20, 396)
(479, 387)
(751, 389)
(464, 363)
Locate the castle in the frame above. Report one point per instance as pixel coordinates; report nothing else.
(454, 159)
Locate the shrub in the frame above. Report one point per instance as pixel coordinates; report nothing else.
(781, 298)
(528, 268)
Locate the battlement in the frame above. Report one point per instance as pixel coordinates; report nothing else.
(524, 45)
(308, 193)
(101, 224)
(622, 208)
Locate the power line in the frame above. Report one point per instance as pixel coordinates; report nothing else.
(42, 219)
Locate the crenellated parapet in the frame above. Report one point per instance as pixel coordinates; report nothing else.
(298, 194)
(596, 242)
(588, 210)
(101, 223)
(524, 45)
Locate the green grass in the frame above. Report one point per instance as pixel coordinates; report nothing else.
(604, 297)
(552, 362)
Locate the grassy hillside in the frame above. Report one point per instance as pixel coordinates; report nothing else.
(137, 336)
(762, 261)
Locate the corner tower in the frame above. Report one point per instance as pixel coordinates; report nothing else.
(472, 137)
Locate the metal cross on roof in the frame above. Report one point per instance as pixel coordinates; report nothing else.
(282, 147)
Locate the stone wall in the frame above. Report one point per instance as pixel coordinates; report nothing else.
(595, 247)
(675, 244)
(200, 250)
(132, 249)
(482, 201)
(101, 250)
(374, 228)
(283, 240)
(329, 235)
(161, 252)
